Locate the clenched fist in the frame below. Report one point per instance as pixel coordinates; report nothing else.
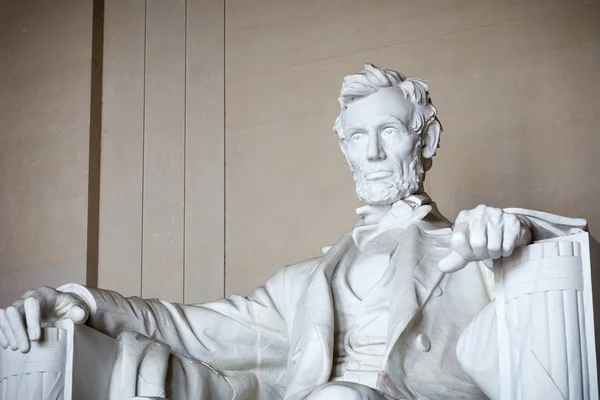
(484, 233)
(21, 322)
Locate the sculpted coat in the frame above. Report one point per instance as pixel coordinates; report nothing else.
(278, 341)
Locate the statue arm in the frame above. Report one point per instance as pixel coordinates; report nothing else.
(234, 333)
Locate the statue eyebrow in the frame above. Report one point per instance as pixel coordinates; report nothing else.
(352, 128)
(391, 118)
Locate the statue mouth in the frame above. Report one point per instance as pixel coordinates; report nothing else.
(376, 176)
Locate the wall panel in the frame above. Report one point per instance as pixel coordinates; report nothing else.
(45, 80)
(515, 84)
(164, 140)
(120, 233)
(162, 183)
(204, 152)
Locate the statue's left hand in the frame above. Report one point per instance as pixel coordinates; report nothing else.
(484, 233)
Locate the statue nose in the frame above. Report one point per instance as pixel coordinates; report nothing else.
(374, 151)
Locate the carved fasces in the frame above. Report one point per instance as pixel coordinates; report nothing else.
(543, 306)
(37, 375)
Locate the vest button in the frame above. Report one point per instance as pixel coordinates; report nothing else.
(423, 343)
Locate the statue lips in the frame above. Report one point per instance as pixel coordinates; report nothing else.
(378, 175)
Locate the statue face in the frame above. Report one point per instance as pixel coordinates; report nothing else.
(383, 153)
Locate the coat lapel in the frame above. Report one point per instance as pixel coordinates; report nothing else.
(311, 344)
(417, 276)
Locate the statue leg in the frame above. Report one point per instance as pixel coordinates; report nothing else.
(145, 369)
(140, 367)
(347, 391)
(189, 379)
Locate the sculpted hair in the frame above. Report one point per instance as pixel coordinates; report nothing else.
(373, 78)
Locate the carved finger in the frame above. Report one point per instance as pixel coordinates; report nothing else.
(78, 314)
(495, 214)
(3, 340)
(461, 217)
(495, 234)
(5, 327)
(509, 241)
(32, 316)
(15, 321)
(460, 242)
(478, 239)
(19, 304)
(452, 263)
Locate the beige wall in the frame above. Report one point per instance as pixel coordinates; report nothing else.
(517, 86)
(161, 182)
(193, 205)
(45, 90)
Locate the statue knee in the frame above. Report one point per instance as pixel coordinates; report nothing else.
(335, 391)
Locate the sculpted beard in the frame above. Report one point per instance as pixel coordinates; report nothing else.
(402, 184)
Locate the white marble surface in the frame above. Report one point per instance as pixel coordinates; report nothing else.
(401, 307)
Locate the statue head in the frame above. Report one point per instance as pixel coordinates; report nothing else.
(388, 131)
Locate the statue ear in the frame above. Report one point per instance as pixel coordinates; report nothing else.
(344, 149)
(431, 138)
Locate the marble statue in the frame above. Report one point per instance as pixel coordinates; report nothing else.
(402, 307)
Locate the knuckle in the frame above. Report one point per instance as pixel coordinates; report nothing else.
(46, 290)
(508, 245)
(494, 252)
(494, 212)
(458, 239)
(18, 304)
(11, 311)
(31, 301)
(494, 246)
(478, 242)
(511, 220)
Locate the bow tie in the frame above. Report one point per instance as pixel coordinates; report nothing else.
(377, 220)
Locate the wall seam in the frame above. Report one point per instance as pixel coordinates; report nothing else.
(185, 113)
(95, 138)
(224, 147)
(143, 149)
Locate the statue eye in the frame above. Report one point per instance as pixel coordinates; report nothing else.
(388, 131)
(357, 136)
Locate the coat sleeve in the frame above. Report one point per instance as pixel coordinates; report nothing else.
(234, 333)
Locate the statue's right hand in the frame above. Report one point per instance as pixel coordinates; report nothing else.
(21, 322)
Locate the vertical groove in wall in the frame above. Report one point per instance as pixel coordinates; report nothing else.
(204, 136)
(95, 134)
(143, 148)
(185, 58)
(224, 147)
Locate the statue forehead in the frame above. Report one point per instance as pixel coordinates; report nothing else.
(375, 106)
